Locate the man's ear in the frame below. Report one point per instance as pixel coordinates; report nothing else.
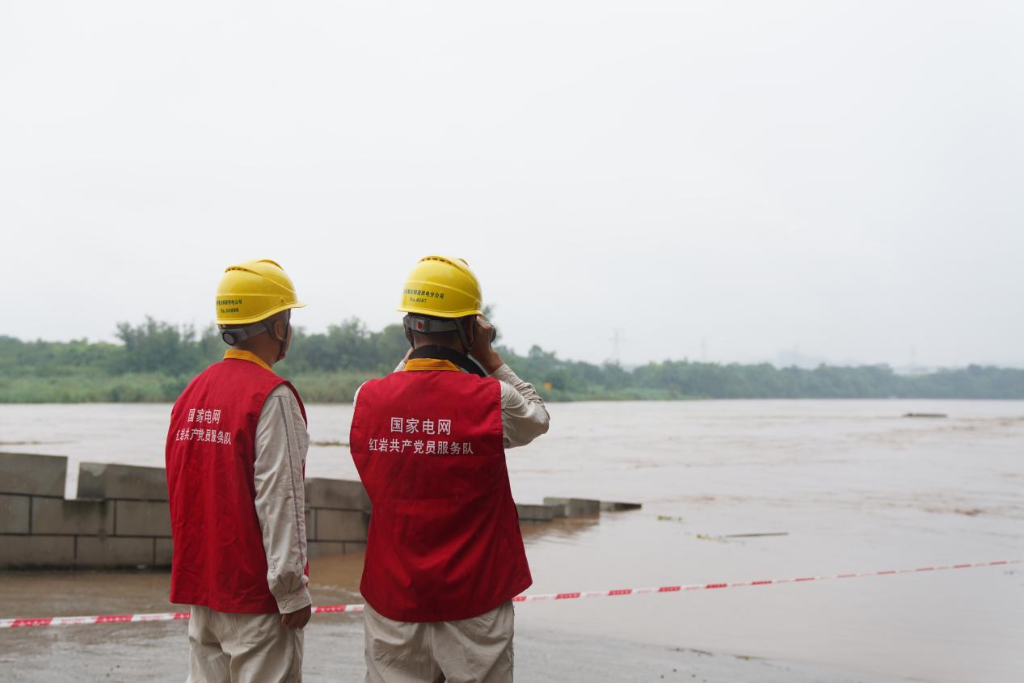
(281, 330)
(469, 324)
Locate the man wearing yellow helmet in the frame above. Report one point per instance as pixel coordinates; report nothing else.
(444, 554)
(235, 454)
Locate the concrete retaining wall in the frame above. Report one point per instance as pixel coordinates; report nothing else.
(337, 516)
(121, 520)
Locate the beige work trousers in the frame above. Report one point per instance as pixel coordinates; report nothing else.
(242, 648)
(477, 650)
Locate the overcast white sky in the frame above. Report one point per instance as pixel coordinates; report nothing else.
(846, 177)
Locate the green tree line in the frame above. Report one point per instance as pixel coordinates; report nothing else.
(154, 360)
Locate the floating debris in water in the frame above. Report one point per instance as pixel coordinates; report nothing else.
(757, 535)
(32, 443)
(618, 506)
(933, 415)
(328, 443)
(725, 537)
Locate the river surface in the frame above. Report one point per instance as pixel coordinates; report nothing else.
(854, 485)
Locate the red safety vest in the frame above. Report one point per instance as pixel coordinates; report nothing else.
(219, 561)
(444, 541)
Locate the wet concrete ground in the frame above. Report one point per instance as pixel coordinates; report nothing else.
(159, 651)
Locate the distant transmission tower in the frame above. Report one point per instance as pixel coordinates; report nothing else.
(616, 349)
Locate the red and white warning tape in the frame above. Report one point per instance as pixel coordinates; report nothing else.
(741, 584)
(358, 607)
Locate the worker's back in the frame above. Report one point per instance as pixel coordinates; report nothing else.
(444, 541)
(210, 458)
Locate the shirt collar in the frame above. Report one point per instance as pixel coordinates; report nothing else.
(239, 354)
(425, 364)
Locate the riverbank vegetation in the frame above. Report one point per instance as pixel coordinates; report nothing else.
(154, 361)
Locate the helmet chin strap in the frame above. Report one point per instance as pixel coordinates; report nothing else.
(462, 336)
(280, 342)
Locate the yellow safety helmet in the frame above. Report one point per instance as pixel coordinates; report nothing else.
(252, 291)
(441, 287)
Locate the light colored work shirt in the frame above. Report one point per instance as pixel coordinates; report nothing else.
(281, 445)
(523, 414)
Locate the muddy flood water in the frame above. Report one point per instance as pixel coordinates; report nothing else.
(853, 485)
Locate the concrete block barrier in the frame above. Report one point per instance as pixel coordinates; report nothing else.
(338, 494)
(113, 552)
(538, 513)
(310, 523)
(38, 475)
(77, 517)
(14, 514)
(163, 550)
(618, 506)
(101, 481)
(37, 552)
(340, 525)
(142, 518)
(315, 549)
(576, 507)
(121, 518)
